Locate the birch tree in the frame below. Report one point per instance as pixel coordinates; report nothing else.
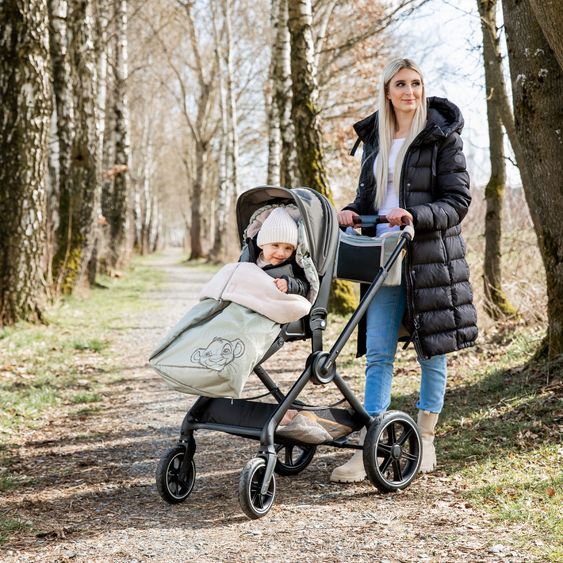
(64, 111)
(78, 197)
(282, 153)
(304, 110)
(25, 114)
(305, 117)
(228, 142)
(118, 219)
(536, 88)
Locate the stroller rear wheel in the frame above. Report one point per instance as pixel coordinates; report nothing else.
(392, 452)
(293, 458)
(174, 482)
(253, 503)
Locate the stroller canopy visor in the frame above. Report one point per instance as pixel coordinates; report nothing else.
(317, 214)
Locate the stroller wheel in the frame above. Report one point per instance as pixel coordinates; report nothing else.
(253, 503)
(293, 458)
(173, 482)
(392, 452)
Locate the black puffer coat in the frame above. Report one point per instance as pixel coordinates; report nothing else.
(435, 189)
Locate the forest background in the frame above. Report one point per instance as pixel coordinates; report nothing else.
(127, 126)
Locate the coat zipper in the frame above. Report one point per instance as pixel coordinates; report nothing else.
(410, 282)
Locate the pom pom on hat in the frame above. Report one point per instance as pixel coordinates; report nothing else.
(279, 226)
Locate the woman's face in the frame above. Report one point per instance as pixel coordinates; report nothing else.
(405, 90)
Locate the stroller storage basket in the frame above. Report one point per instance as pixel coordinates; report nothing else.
(360, 257)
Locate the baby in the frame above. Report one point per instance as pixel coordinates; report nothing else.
(277, 242)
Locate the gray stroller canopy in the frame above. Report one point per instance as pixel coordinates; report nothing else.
(317, 214)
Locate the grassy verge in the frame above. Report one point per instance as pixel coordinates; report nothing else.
(500, 432)
(64, 361)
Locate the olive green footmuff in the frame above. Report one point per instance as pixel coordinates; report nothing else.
(194, 359)
(217, 344)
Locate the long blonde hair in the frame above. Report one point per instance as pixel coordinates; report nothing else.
(387, 126)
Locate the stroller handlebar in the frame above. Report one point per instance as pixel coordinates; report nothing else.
(373, 220)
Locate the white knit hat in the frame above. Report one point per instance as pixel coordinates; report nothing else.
(278, 227)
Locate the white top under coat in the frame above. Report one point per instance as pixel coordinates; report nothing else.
(392, 196)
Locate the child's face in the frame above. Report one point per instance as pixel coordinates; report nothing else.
(277, 252)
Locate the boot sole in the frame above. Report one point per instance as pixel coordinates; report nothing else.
(355, 479)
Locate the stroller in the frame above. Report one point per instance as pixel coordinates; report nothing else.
(392, 447)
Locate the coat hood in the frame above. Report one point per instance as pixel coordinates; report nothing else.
(444, 118)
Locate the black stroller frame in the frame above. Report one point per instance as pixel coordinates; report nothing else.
(392, 447)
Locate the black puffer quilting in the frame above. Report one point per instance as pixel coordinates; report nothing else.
(435, 190)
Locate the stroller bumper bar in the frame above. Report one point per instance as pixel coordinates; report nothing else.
(373, 220)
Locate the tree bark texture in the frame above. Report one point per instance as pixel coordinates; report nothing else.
(272, 111)
(538, 111)
(497, 305)
(78, 198)
(25, 114)
(64, 106)
(222, 194)
(549, 14)
(118, 218)
(304, 112)
(202, 133)
(305, 117)
(283, 98)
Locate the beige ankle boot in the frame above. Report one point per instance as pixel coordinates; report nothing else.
(426, 424)
(353, 470)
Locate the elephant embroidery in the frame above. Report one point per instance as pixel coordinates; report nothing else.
(219, 353)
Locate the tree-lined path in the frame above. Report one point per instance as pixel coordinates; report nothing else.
(91, 494)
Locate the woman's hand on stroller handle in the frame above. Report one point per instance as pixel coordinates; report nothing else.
(396, 217)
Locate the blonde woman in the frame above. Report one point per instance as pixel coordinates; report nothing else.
(413, 166)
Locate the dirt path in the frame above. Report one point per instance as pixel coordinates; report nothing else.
(92, 495)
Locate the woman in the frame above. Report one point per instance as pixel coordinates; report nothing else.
(413, 166)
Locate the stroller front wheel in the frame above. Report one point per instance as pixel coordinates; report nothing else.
(392, 452)
(175, 477)
(253, 503)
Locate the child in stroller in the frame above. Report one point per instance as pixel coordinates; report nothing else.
(392, 446)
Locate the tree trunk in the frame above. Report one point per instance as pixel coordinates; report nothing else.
(201, 131)
(497, 305)
(232, 124)
(283, 96)
(78, 198)
(196, 243)
(304, 111)
(25, 115)
(145, 209)
(64, 105)
(274, 136)
(307, 128)
(118, 218)
(549, 15)
(272, 110)
(222, 194)
(538, 111)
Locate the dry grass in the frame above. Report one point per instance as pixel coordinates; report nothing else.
(522, 266)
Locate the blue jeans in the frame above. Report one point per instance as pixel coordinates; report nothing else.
(384, 317)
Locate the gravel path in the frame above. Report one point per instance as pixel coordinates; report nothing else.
(93, 496)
